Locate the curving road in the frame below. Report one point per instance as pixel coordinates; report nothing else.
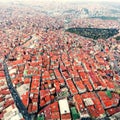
(22, 109)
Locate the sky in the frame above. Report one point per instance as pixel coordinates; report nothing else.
(63, 0)
(88, 0)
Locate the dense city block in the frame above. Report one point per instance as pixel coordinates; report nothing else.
(47, 72)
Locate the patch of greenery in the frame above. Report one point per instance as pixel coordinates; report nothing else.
(117, 38)
(70, 11)
(94, 33)
(106, 17)
(41, 117)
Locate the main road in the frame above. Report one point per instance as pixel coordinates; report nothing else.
(22, 109)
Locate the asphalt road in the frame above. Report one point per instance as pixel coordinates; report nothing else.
(22, 109)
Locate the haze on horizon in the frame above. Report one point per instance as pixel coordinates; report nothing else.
(5, 1)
